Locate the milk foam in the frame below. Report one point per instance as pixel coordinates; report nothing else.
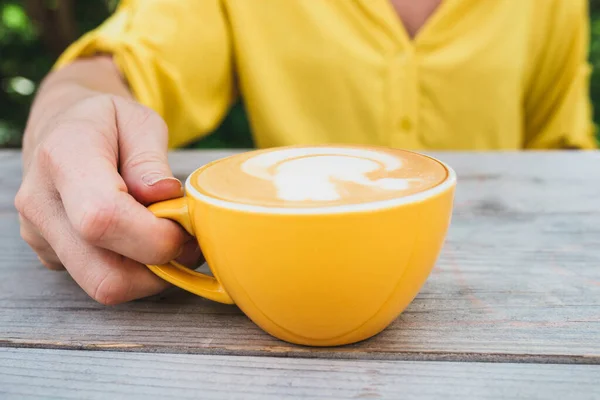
(311, 174)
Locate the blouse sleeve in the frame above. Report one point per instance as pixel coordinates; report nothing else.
(176, 57)
(558, 112)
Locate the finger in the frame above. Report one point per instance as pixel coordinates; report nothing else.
(107, 277)
(27, 202)
(143, 145)
(191, 255)
(40, 246)
(99, 208)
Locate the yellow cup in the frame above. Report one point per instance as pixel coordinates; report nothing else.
(311, 276)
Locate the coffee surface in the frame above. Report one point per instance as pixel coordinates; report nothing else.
(321, 176)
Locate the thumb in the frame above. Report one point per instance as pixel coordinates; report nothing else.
(143, 145)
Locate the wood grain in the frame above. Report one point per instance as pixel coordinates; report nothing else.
(518, 280)
(78, 374)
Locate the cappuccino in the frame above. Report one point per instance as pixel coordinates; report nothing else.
(317, 245)
(320, 176)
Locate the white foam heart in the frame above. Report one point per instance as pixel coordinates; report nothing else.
(310, 174)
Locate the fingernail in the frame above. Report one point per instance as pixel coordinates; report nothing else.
(153, 178)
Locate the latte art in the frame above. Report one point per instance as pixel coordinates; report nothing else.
(318, 176)
(314, 174)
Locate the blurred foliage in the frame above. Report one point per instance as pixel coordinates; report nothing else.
(34, 32)
(594, 57)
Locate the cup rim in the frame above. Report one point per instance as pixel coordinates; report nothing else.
(446, 184)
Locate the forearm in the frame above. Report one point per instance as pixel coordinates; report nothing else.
(63, 88)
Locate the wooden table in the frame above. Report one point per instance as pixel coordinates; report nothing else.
(512, 309)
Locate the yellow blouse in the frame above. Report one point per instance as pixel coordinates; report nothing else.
(480, 75)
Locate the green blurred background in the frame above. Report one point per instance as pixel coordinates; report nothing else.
(34, 32)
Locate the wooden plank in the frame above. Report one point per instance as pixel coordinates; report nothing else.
(518, 279)
(93, 375)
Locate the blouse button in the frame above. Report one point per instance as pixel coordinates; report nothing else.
(406, 124)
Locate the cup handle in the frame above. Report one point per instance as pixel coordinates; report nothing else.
(176, 273)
